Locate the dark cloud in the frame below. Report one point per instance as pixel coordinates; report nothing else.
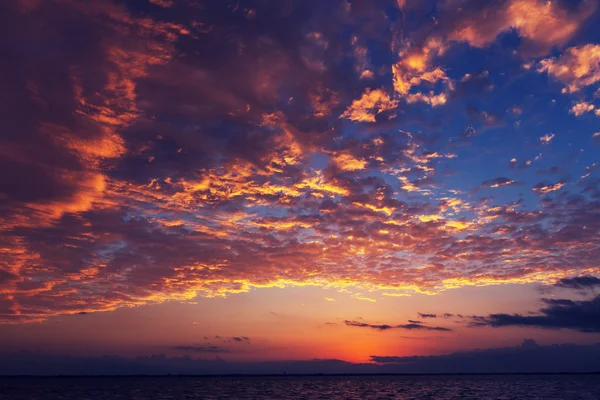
(526, 358)
(484, 118)
(554, 170)
(240, 339)
(579, 282)
(381, 327)
(231, 339)
(201, 349)
(422, 315)
(409, 326)
(583, 316)
(473, 84)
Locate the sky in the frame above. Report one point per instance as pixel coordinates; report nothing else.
(222, 186)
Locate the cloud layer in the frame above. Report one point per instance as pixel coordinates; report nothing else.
(526, 358)
(164, 150)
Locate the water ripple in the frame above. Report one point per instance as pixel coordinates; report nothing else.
(304, 388)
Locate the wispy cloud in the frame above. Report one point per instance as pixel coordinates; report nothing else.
(410, 326)
(201, 349)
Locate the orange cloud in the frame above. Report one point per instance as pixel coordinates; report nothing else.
(432, 99)
(416, 66)
(581, 108)
(548, 188)
(547, 138)
(371, 103)
(160, 176)
(542, 22)
(102, 102)
(347, 162)
(576, 68)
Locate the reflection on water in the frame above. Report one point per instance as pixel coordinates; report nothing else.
(279, 388)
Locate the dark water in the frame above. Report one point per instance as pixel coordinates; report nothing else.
(280, 388)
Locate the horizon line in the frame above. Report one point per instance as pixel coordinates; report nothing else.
(243, 375)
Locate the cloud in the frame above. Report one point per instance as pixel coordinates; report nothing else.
(547, 187)
(409, 326)
(577, 68)
(29, 363)
(525, 358)
(539, 23)
(483, 117)
(74, 109)
(581, 108)
(432, 99)
(528, 357)
(579, 282)
(232, 339)
(550, 171)
(371, 103)
(201, 349)
(162, 3)
(427, 315)
(498, 182)
(583, 316)
(514, 163)
(347, 162)
(547, 138)
(415, 68)
(159, 175)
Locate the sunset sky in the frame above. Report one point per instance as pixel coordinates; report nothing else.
(253, 181)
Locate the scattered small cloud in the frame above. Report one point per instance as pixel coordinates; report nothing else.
(547, 138)
(582, 108)
(546, 187)
(499, 182)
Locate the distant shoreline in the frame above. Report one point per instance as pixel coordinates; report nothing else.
(298, 375)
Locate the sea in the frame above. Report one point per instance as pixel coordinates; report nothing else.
(505, 387)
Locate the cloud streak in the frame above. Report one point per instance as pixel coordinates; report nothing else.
(201, 349)
(410, 326)
(556, 314)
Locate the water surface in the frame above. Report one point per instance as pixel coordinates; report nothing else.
(504, 387)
